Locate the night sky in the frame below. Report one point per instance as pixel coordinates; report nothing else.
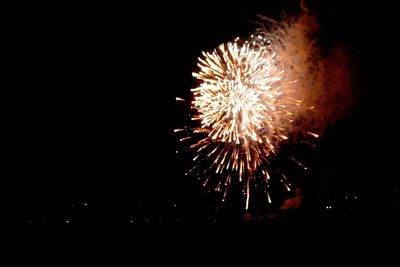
(91, 112)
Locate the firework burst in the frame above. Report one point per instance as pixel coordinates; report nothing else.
(244, 106)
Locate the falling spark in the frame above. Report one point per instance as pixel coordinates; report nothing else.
(180, 99)
(313, 134)
(299, 163)
(269, 198)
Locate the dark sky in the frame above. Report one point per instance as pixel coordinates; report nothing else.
(92, 106)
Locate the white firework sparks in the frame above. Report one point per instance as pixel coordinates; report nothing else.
(246, 103)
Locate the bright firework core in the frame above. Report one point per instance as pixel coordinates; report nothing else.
(252, 97)
(245, 108)
(239, 94)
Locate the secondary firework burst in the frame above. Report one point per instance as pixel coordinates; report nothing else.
(244, 107)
